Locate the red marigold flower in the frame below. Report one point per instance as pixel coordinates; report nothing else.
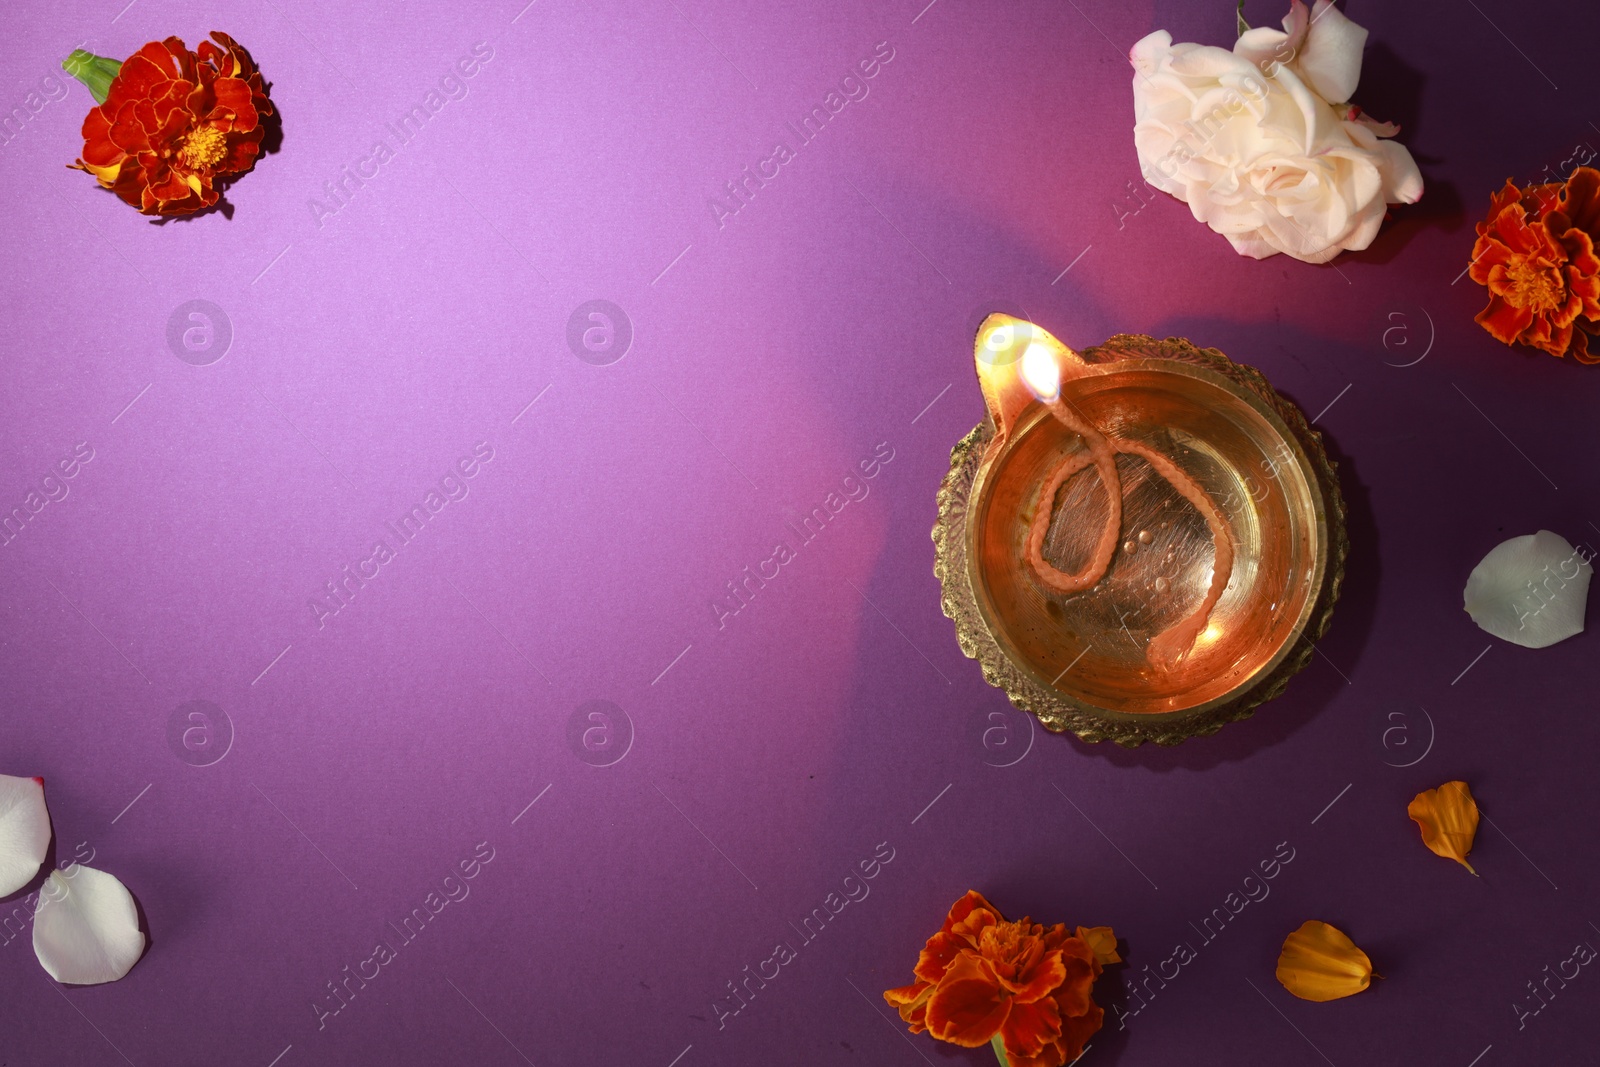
(1019, 985)
(174, 125)
(1536, 255)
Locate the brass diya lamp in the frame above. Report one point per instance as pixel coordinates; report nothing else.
(1141, 541)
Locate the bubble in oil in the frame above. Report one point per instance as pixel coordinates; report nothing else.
(1145, 537)
(1129, 546)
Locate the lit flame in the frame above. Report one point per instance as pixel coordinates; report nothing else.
(1040, 372)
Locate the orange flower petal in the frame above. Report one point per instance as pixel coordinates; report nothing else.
(125, 131)
(1507, 196)
(1073, 994)
(906, 994)
(911, 1002)
(1580, 346)
(966, 1007)
(1076, 1031)
(141, 74)
(1486, 255)
(171, 186)
(1580, 200)
(1320, 963)
(971, 901)
(1030, 1028)
(172, 101)
(1504, 321)
(1102, 942)
(1037, 981)
(180, 57)
(1075, 1034)
(970, 926)
(1448, 817)
(937, 955)
(234, 97)
(1512, 228)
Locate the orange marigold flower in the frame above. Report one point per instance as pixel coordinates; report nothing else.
(1536, 255)
(1026, 987)
(176, 125)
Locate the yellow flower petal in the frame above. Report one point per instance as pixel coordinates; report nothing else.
(106, 176)
(1319, 963)
(1449, 820)
(1102, 942)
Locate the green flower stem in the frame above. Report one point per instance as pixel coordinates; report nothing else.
(94, 71)
(999, 1046)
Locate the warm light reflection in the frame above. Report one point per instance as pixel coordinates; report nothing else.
(1210, 635)
(1040, 372)
(997, 342)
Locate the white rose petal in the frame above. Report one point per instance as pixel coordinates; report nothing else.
(1330, 59)
(1530, 590)
(24, 831)
(86, 928)
(1400, 174)
(1146, 50)
(1261, 44)
(1201, 61)
(1260, 142)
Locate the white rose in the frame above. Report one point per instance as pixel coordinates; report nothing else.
(1261, 141)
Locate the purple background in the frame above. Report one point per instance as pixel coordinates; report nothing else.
(769, 357)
